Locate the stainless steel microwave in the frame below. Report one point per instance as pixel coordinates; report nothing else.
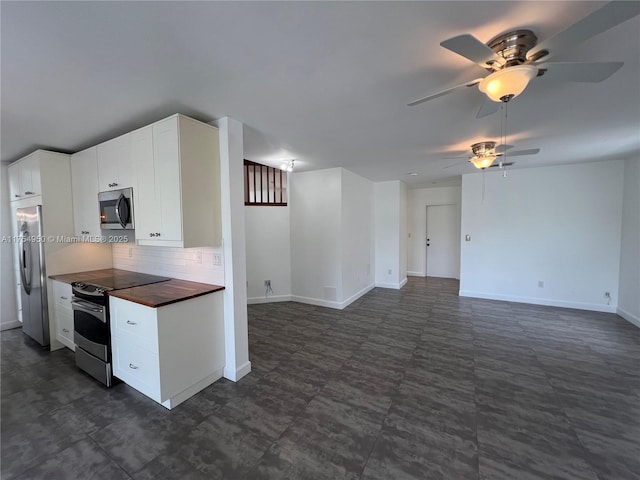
(116, 209)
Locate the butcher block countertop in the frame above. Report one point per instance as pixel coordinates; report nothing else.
(91, 275)
(164, 293)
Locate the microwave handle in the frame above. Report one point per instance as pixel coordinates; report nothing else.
(122, 221)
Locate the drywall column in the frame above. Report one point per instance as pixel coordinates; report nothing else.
(236, 331)
(629, 300)
(390, 200)
(8, 318)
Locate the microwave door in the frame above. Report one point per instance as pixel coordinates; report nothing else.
(122, 211)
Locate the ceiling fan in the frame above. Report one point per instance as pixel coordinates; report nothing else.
(486, 152)
(514, 58)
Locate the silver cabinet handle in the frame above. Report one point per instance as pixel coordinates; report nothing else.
(16, 195)
(113, 184)
(65, 330)
(64, 298)
(29, 193)
(131, 323)
(132, 366)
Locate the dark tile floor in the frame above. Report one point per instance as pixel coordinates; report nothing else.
(409, 384)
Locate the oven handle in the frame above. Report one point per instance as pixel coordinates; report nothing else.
(86, 306)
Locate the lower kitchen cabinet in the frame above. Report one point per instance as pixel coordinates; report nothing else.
(63, 313)
(168, 353)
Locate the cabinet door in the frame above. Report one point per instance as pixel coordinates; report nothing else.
(63, 313)
(84, 186)
(15, 192)
(115, 169)
(145, 203)
(166, 158)
(30, 175)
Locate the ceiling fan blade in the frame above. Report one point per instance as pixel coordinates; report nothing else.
(470, 47)
(444, 92)
(502, 148)
(488, 107)
(612, 14)
(531, 151)
(497, 165)
(581, 72)
(454, 165)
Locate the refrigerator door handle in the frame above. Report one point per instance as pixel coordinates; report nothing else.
(24, 268)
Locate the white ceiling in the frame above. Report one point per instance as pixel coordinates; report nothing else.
(326, 83)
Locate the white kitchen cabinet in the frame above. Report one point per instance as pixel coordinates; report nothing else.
(168, 353)
(177, 198)
(115, 167)
(24, 176)
(84, 186)
(63, 313)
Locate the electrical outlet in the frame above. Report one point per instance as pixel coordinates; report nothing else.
(130, 252)
(389, 271)
(267, 283)
(540, 284)
(607, 295)
(217, 259)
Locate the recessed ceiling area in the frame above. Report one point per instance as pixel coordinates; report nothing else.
(326, 83)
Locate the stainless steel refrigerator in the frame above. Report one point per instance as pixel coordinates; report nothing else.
(35, 314)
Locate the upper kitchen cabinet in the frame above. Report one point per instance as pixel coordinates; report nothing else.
(115, 164)
(177, 199)
(84, 186)
(24, 176)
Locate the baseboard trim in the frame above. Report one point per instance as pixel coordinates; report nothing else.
(192, 390)
(416, 274)
(329, 304)
(594, 307)
(629, 317)
(274, 299)
(356, 296)
(394, 286)
(236, 374)
(315, 301)
(10, 325)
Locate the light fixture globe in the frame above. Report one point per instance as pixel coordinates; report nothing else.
(507, 83)
(482, 162)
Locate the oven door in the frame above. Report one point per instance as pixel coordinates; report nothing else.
(90, 328)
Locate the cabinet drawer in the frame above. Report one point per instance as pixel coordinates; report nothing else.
(136, 323)
(62, 294)
(137, 367)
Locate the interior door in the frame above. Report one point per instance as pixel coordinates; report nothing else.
(443, 241)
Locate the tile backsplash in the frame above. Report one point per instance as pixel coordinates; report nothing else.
(195, 264)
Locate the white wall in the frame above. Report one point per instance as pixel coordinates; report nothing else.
(390, 200)
(193, 264)
(629, 297)
(268, 253)
(404, 229)
(418, 200)
(316, 199)
(8, 307)
(357, 227)
(236, 328)
(559, 225)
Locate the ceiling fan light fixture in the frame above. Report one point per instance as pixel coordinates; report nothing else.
(482, 162)
(508, 82)
(287, 166)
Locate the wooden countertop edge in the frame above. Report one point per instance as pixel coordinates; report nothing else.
(130, 298)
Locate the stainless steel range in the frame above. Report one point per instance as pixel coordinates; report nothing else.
(92, 330)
